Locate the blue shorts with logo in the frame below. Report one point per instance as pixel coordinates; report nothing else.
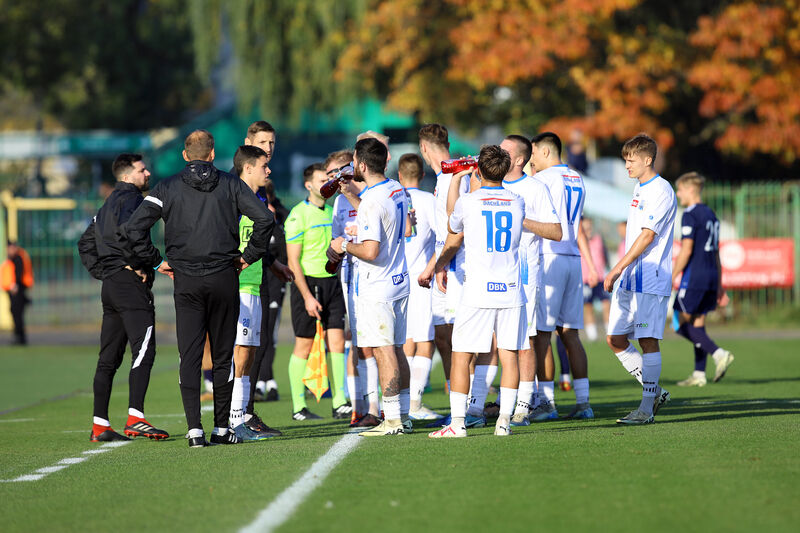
(694, 302)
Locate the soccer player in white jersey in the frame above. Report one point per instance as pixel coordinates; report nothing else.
(362, 369)
(383, 284)
(434, 146)
(489, 223)
(560, 305)
(539, 207)
(419, 248)
(639, 301)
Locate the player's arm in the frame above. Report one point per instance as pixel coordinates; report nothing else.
(546, 230)
(641, 243)
(369, 224)
(583, 246)
(687, 245)
(135, 233)
(87, 249)
(455, 190)
(367, 250)
(451, 246)
(294, 250)
(347, 191)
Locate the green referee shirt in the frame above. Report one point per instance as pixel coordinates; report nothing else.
(250, 277)
(310, 226)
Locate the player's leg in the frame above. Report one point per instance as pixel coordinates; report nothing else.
(304, 330)
(698, 304)
(419, 347)
(112, 350)
(579, 364)
(564, 381)
(554, 278)
(588, 312)
(333, 315)
(698, 377)
(479, 390)
(509, 340)
(443, 328)
(208, 373)
(527, 355)
(248, 340)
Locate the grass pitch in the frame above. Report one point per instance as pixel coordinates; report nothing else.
(723, 457)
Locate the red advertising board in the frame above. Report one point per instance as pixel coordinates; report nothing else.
(755, 263)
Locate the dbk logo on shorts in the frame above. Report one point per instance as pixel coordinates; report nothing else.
(398, 279)
(494, 286)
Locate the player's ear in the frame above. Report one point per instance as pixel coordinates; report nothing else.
(185, 157)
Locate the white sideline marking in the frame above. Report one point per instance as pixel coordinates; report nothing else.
(282, 507)
(65, 463)
(17, 420)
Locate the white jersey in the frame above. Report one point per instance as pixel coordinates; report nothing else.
(440, 192)
(539, 207)
(382, 217)
(419, 247)
(491, 219)
(568, 195)
(653, 207)
(344, 216)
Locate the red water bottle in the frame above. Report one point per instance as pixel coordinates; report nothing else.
(331, 186)
(454, 166)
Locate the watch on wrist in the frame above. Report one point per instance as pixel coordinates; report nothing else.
(344, 247)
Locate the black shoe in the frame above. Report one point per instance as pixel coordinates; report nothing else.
(142, 428)
(271, 396)
(257, 425)
(229, 438)
(198, 442)
(343, 411)
(259, 395)
(108, 435)
(305, 414)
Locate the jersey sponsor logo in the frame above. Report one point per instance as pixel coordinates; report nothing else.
(397, 279)
(352, 213)
(495, 286)
(395, 192)
(635, 203)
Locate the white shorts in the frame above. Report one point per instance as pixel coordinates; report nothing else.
(248, 330)
(455, 288)
(638, 315)
(474, 326)
(532, 295)
(561, 301)
(381, 323)
(420, 313)
(438, 305)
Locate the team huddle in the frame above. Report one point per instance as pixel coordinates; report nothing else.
(483, 270)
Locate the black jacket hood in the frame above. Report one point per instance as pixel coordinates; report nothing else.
(200, 175)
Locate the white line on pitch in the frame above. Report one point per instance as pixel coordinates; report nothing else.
(282, 508)
(17, 420)
(38, 474)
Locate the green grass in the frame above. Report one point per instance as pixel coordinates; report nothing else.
(722, 457)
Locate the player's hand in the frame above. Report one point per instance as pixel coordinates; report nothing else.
(332, 255)
(240, 264)
(282, 272)
(425, 278)
(165, 269)
(412, 216)
(722, 298)
(351, 230)
(336, 244)
(612, 277)
(142, 275)
(441, 281)
(594, 278)
(313, 307)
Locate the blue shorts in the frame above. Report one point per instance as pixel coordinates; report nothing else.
(597, 293)
(694, 302)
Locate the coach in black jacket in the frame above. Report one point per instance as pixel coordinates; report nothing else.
(128, 313)
(201, 207)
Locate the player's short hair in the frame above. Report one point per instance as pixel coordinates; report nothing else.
(435, 134)
(198, 145)
(257, 127)
(123, 164)
(369, 134)
(340, 157)
(247, 154)
(493, 162)
(524, 145)
(410, 166)
(692, 178)
(372, 153)
(549, 139)
(641, 144)
(308, 173)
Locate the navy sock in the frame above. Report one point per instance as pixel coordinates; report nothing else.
(208, 375)
(699, 359)
(700, 338)
(683, 331)
(562, 355)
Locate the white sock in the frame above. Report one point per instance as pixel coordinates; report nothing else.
(471, 381)
(524, 395)
(591, 332)
(261, 386)
(718, 354)
(101, 421)
(582, 390)
(245, 391)
(565, 378)
(361, 385)
(479, 391)
(536, 400)
(420, 369)
(272, 385)
(409, 360)
(391, 407)
(195, 432)
(405, 401)
(508, 398)
(631, 359)
(651, 371)
(700, 374)
(491, 373)
(220, 431)
(209, 386)
(135, 412)
(351, 390)
(237, 410)
(547, 392)
(372, 386)
(458, 408)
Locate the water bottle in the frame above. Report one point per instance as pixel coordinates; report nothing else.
(454, 166)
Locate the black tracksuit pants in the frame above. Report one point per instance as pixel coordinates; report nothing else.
(18, 303)
(272, 292)
(206, 304)
(128, 316)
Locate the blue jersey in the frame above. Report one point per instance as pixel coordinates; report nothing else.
(700, 224)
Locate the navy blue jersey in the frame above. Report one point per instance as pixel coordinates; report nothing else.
(700, 224)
